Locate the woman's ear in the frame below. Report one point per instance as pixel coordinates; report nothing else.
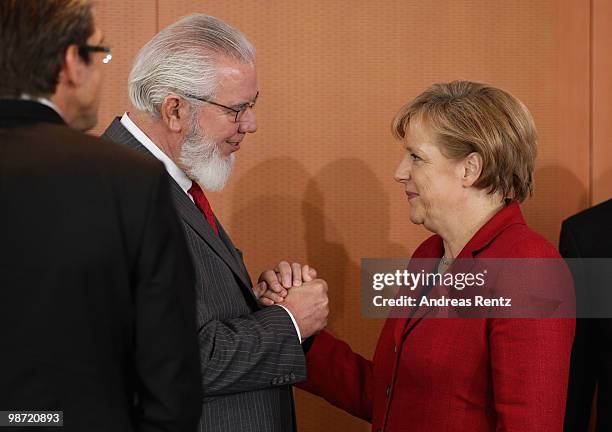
(472, 168)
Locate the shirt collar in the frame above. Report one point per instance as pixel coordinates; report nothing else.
(175, 172)
(507, 216)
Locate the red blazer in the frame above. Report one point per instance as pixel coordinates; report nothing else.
(456, 374)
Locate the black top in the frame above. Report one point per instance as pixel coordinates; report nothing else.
(96, 284)
(589, 235)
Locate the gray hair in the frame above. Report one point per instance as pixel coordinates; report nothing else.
(181, 59)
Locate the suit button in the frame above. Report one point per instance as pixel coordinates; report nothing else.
(388, 390)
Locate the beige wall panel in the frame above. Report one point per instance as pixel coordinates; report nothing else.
(562, 173)
(602, 101)
(128, 25)
(315, 183)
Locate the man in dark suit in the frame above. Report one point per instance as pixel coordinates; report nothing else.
(194, 88)
(588, 235)
(96, 284)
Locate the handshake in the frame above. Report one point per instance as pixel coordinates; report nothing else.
(296, 288)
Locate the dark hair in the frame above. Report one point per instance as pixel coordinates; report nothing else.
(34, 36)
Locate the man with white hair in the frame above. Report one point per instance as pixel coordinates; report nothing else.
(194, 89)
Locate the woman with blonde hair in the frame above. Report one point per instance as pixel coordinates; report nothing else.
(469, 162)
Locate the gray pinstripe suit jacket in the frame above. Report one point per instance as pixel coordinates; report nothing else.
(250, 355)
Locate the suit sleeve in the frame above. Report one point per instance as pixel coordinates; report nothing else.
(251, 352)
(568, 247)
(342, 377)
(166, 353)
(582, 376)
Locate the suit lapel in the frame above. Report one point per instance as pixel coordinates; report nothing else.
(466, 260)
(422, 261)
(464, 264)
(189, 213)
(225, 238)
(405, 325)
(193, 217)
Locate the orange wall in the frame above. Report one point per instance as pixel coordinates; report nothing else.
(315, 183)
(601, 154)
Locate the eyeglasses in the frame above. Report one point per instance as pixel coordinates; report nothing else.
(238, 110)
(84, 51)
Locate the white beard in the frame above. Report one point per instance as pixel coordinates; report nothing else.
(203, 162)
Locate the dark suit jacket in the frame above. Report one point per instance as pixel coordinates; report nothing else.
(250, 356)
(589, 235)
(96, 297)
(456, 374)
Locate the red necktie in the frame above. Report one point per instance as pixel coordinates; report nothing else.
(200, 200)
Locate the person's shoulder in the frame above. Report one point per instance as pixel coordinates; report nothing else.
(598, 215)
(520, 241)
(98, 154)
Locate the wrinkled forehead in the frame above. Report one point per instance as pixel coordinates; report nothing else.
(236, 79)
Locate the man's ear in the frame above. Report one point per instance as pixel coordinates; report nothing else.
(174, 112)
(472, 168)
(73, 69)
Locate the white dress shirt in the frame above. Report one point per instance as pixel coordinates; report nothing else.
(176, 173)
